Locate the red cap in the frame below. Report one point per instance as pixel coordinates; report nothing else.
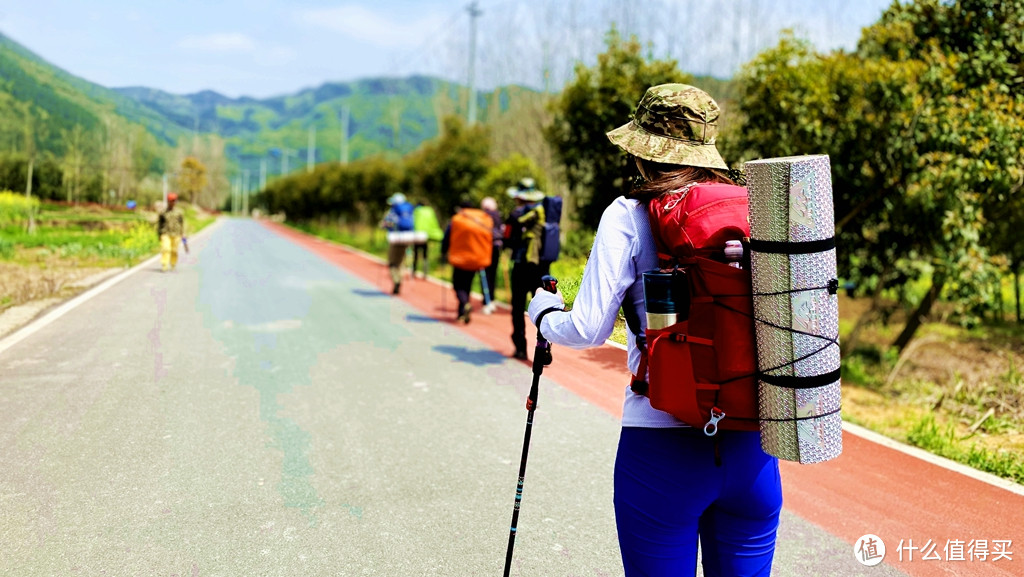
(172, 196)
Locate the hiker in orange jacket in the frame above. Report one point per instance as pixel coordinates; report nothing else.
(467, 245)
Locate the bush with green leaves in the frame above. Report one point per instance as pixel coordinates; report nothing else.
(923, 124)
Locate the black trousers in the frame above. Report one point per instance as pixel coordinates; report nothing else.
(462, 282)
(420, 251)
(525, 279)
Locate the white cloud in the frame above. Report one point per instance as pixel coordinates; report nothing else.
(359, 23)
(223, 42)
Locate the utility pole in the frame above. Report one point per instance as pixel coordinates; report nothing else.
(311, 149)
(263, 173)
(195, 135)
(165, 189)
(344, 134)
(474, 13)
(245, 192)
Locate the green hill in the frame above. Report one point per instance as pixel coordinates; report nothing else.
(391, 116)
(386, 116)
(65, 99)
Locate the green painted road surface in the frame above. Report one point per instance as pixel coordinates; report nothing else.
(261, 412)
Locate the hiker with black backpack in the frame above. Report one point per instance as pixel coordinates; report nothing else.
(676, 485)
(528, 220)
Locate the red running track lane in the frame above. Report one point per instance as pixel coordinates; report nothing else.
(870, 488)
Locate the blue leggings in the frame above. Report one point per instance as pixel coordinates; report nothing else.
(675, 485)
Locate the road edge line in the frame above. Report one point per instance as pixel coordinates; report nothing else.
(64, 308)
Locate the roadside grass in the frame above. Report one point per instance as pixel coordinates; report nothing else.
(71, 242)
(956, 392)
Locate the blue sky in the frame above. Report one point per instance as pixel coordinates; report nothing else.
(269, 47)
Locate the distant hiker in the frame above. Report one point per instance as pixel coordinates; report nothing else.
(490, 206)
(399, 224)
(527, 220)
(675, 486)
(428, 230)
(467, 246)
(170, 229)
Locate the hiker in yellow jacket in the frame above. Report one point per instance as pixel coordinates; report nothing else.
(170, 229)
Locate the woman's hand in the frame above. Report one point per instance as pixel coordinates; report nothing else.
(542, 301)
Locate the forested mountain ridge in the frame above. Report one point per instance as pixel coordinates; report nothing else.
(385, 115)
(66, 100)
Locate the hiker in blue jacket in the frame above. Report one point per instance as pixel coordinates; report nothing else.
(399, 219)
(674, 486)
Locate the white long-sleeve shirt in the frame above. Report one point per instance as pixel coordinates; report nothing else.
(623, 250)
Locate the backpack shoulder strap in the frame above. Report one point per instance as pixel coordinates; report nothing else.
(637, 383)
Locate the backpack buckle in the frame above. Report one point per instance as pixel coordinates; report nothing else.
(711, 428)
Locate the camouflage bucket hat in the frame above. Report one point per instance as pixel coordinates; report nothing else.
(673, 124)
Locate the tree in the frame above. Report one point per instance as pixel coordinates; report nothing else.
(599, 99)
(74, 160)
(33, 132)
(505, 174)
(447, 168)
(191, 178)
(921, 144)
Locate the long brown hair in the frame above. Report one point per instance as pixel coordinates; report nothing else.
(658, 179)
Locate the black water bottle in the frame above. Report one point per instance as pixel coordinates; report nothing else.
(666, 297)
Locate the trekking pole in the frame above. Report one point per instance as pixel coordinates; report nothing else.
(484, 288)
(541, 358)
(444, 290)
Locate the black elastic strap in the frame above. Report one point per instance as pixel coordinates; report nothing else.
(791, 382)
(637, 383)
(787, 247)
(807, 418)
(543, 314)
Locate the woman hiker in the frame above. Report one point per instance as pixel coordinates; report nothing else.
(669, 492)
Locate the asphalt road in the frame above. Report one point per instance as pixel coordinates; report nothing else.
(262, 411)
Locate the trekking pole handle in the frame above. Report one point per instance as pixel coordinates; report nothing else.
(549, 283)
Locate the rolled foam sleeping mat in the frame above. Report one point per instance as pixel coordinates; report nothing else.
(796, 309)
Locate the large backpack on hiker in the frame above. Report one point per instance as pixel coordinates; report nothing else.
(470, 239)
(702, 368)
(551, 241)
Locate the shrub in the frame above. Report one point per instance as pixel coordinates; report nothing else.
(15, 209)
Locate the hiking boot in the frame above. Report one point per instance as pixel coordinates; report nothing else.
(464, 317)
(520, 355)
(398, 285)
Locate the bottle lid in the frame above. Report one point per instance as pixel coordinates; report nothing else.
(733, 249)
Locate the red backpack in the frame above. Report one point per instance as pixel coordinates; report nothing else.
(702, 369)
